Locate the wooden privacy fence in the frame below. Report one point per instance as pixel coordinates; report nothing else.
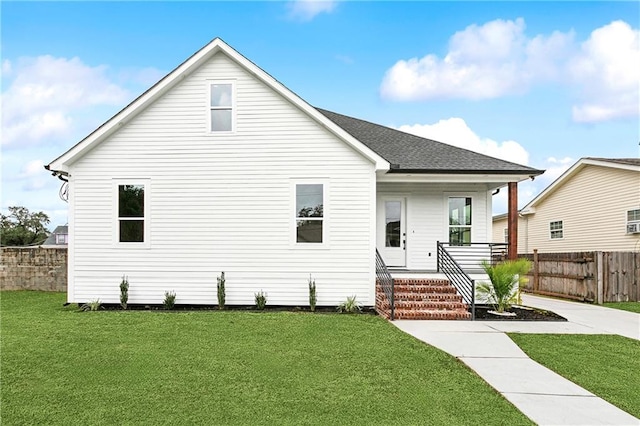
(587, 276)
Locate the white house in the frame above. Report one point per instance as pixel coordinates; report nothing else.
(220, 167)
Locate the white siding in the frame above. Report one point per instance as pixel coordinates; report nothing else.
(592, 205)
(427, 217)
(223, 203)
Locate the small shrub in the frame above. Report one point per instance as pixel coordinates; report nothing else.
(312, 294)
(261, 300)
(221, 291)
(124, 292)
(349, 306)
(169, 300)
(506, 277)
(94, 305)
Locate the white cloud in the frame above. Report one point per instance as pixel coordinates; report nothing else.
(306, 10)
(455, 131)
(483, 62)
(39, 103)
(555, 167)
(498, 59)
(607, 69)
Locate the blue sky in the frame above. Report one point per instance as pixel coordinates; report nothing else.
(540, 83)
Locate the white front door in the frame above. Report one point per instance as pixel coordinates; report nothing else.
(394, 231)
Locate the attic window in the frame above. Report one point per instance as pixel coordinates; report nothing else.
(221, 103)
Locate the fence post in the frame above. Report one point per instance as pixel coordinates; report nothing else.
(600, 277)
(536, 276)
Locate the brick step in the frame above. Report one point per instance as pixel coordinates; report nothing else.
(421, 281)
(415, 288)
(428, 305)
(428, 314)
(453, 297)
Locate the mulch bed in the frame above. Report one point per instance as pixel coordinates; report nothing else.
(245, 308)
(522, 314)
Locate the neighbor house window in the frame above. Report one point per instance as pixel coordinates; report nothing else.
(61, 238)
(506, 235)
(310, 213)
(633, 221)
(459, 220)
(556, 229)
(221, 104)
(131, 225)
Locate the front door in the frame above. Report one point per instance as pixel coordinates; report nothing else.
(395, 232)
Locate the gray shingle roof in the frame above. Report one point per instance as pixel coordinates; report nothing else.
(414, 154)
(626, 161)
(51, 239)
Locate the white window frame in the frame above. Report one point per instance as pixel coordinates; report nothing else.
(116, 214)
(447, 197)
(505, 233)
(293, 213)
(62, 238)
(561, 229)
(210, 108)
(631, 222)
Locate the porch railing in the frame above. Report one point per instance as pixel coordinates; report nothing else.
(470, 255)
(458, 277)
(383, 276)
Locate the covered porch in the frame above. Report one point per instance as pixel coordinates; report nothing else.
(432, 233)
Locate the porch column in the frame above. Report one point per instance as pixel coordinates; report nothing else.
(512, 221)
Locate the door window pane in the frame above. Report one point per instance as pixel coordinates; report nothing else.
(392, 223)
(459, 220)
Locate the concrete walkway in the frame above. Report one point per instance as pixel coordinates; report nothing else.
(542, 395)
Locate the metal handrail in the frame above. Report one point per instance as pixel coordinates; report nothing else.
(463, 283)
(383, 276)
(469, 256)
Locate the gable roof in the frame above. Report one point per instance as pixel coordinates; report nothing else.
(389, 149)
(60, 165)
(632, 164)
(51, 239)
(409, 153)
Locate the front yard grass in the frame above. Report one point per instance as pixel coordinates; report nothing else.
(625, 306)
(606, 365)
(61, 366)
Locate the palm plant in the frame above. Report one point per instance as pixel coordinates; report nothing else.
(505, 279)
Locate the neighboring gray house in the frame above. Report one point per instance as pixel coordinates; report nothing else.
(58, 238)
(219, 167)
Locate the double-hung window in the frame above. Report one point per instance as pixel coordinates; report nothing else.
(633, 221)
(132, 222)
(221, 106)
(459, 221)
(556, 230)
(309, 214)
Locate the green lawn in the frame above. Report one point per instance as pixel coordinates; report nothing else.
(606, 365)
(60, 366)
(625, 306)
